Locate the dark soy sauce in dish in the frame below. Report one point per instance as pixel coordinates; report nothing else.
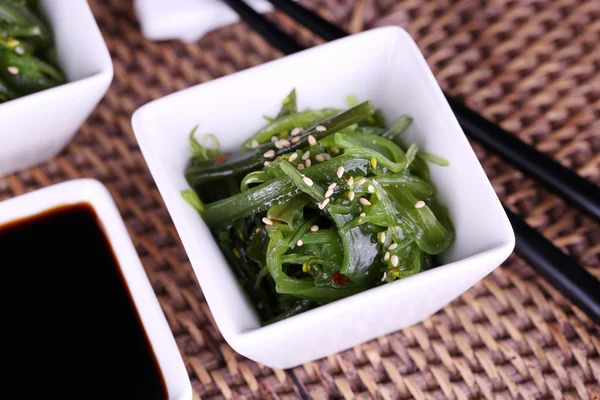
(73, 329)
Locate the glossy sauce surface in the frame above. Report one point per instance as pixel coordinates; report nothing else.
(73, 329)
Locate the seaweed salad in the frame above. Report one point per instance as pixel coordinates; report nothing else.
(319, 205)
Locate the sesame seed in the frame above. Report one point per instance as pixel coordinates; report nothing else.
(300, 167)
(254, 144)
(328, 193)
(267, 221)
(361, 181)
(320, 128)
(299, 242)
(267, 164)
(364, 201)
(296, 139)
(278, 144)
(311, 140)
(326, 156)
(19, 50)
(285, 142)
(274, 139)
(314, 228)
(362, 215)
(334, 149)
(293, 156)
(257, 230)
(306, 155)
(307, 180)
(395, 260)
(419, 204)
(13, 70)
(323, 203)
(351, 181)
(319, 158)
(340, 172)
(308, 163)
(350, 195)
(384, 276)
(373, 162)
(382, 238)
(332, 185)
(269, 154)
(296, 131)
(386, 256)
(393, 246)
(371, 188)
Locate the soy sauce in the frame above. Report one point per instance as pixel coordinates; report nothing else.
(73, 329)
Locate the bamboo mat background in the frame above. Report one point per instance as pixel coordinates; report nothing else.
(530, 65)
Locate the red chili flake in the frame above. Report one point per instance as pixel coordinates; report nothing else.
(220, 160)
(339, 278)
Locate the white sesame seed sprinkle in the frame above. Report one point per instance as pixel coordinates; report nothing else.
(326, 156)
(340, 172)
(300, 167)
(308, 163)
(332, 185)
(329, 192)
(420, 204)
(395, 260)
(351, 181)
(361, 181)
(314, 228)
(266, 164)
(334, 149)
(295, 131)
(364, 201)
(254, 144)
(13, 70)
(257, 230)
(384, 276)
(319, 158)
(274, 139)
(299, 242)
(269, 154)
(267, 221)
(296, 139)
(350, 195)
(306, 155)
(323, 203)
(320, 128)
(293, 157)
(307, 180)
(362, 215)
(311, 140)
(382, 238)
(285, 143)
(19, 50)
(370, 188)
(278, 144)
(393, 246)
(386, 256)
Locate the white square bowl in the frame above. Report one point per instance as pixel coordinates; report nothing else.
(157, 329)
(383, 65)
(36, 127)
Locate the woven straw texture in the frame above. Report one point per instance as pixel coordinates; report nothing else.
(530, 65)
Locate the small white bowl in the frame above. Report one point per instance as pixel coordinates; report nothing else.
(157, 329)
(36, 127)
(383, 65)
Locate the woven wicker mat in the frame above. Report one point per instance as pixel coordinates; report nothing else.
(530, 65)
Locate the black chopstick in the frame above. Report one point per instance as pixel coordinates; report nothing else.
(272, 34)
(570, 278)
(564, 181)
(559, 269)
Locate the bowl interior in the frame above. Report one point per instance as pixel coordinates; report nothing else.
(383, 65)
